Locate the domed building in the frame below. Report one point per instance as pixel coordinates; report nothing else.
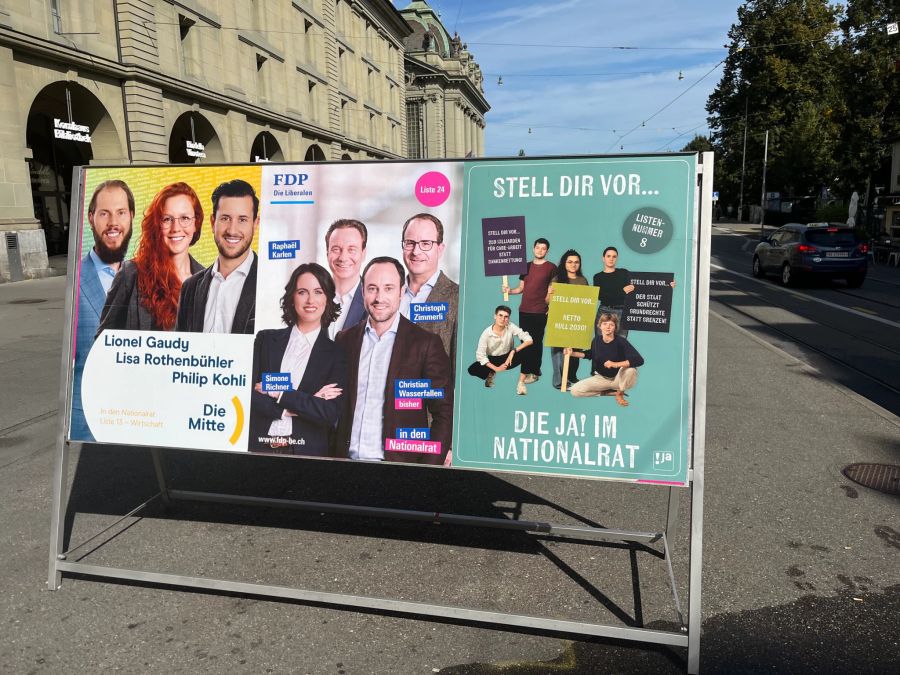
(445, 104)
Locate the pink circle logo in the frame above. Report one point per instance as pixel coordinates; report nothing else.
(432, 188)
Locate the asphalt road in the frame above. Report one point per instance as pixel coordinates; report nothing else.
(850, 335)
(800, 565)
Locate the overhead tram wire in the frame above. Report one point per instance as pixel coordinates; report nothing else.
(609, 74)
(525, 45)
(458, 12)
(683, 133)
(647, 119)
(641, 48)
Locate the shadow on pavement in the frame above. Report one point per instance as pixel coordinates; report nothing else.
(112, 480)
(804, 637)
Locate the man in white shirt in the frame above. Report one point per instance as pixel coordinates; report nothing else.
(383, 352)
(345, 244)
(222, 298)
(497, 352)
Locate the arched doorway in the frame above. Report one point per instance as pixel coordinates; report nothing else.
(266, 149)
(67, 127)
(193, 140)
(314, 154)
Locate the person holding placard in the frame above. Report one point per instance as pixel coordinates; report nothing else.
(614, 363)
(144, 294)
(533, 286)
(567, 272)
(614, 283)
(497, 351)
(298, 421)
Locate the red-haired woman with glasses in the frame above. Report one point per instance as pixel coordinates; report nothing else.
(144, 294)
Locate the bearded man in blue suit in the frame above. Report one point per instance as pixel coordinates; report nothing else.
(110, 214)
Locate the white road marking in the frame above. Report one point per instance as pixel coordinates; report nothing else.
(803, 296)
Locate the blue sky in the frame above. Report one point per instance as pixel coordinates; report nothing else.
(582, 100)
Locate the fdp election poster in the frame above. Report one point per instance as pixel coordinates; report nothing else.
(456, 313)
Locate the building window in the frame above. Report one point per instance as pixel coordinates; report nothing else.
(262, 79)
(190, 56)
(309, 51)
(313, 102)
(55, 16)
(415, 130)
(345, 123)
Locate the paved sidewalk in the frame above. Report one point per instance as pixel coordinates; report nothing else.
(800, 571)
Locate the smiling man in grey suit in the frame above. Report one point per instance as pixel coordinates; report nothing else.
(427, 287)
(110, 214)
(345, 246)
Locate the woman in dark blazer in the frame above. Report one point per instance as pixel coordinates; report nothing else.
(144, 294)
(299, 421)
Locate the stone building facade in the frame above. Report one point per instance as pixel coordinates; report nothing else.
(184, 81)
(445, 104)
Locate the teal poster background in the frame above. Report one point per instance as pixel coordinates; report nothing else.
(644, 206)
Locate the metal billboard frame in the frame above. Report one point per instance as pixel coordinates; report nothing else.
(688, 636)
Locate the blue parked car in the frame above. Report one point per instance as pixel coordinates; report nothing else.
(823, 250)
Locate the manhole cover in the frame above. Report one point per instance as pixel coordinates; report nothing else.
(882, 477)
(27, 301)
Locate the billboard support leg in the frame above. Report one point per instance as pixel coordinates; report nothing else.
(57, 520)
(63, 445)
(159, 469)
(639, 540)
(698, 460)
(672, 505)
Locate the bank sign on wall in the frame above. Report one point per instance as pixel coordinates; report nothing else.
(239, 318)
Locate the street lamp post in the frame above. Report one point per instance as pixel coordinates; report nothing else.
(762, 215)
(743, 163)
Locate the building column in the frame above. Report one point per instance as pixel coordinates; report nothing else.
(16, 206)
(238, 135)
(468, 145)
(146, 130)
(435, 140)
(459, 119)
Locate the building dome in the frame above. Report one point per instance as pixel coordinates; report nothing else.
(428, 33)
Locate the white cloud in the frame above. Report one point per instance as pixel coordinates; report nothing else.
(577, 114)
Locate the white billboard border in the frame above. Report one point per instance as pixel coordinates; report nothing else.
(688, 636)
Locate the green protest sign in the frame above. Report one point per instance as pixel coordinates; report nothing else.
(570, 322)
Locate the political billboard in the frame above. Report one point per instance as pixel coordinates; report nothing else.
(356, 311)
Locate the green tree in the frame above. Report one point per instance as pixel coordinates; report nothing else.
(699, 143)
(779, 76)
(869, 110)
